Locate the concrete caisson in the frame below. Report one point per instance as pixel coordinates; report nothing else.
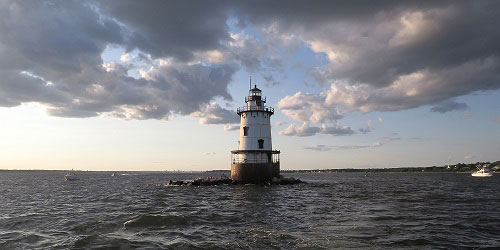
(254, 172)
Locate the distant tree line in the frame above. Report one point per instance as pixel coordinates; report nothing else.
(458, 168)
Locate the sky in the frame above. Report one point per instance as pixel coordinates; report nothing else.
(154, 85)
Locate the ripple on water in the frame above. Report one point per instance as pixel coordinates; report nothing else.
(398, 211)
(158, 221)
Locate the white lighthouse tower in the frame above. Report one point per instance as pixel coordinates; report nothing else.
(255, 160)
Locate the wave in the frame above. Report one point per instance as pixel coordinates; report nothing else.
(156, 221)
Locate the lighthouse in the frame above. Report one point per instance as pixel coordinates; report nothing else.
(255, 161)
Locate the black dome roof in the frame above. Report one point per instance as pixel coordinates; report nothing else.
(255, 89)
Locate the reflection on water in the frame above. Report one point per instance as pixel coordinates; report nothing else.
(340, 210)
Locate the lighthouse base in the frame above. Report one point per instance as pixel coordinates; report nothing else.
(254, 172)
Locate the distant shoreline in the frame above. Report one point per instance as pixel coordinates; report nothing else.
(457, 168)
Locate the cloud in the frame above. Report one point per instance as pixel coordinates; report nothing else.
(214, 114)
(397, 55)
(383, 141)
(306, 107)
(449, 106)
(125, 57)
(170, 29)
(347, 147)
(319, 147)
(312, 109)
(280, 123)
(386, 139)
(336, 130)
(343, 147)
(364, 130)
(229, 127)
(306, 130)
(302, 131)
(369, 126)
(384, 56)
(413, 90)
(270, 80)
(53, 56)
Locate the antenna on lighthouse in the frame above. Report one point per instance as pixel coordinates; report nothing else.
(250, 83)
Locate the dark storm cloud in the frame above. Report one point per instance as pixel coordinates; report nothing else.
(395, 54)
(171, 28)
(386, 44)
(53, 39)
(51, 54)
(465, 31)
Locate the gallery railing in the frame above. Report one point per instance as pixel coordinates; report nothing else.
(257, 108)
(255, 156)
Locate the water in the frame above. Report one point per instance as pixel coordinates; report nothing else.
(39, 210)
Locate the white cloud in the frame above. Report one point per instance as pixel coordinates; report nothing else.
(303, 130)
(308, 108)
(414, 27)
(125, 57)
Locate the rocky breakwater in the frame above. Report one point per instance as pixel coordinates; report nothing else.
(224, 180)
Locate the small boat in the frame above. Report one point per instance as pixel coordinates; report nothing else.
(482, 172)
(114, 174)
(71, 176)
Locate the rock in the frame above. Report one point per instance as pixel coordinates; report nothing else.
(224, 180)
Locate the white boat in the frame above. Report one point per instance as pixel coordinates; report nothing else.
(71, 176)
(482, 172)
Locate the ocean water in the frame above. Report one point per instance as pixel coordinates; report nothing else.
(39, 210)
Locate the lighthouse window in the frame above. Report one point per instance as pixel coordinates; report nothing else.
(245, 131)
(261, 143)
